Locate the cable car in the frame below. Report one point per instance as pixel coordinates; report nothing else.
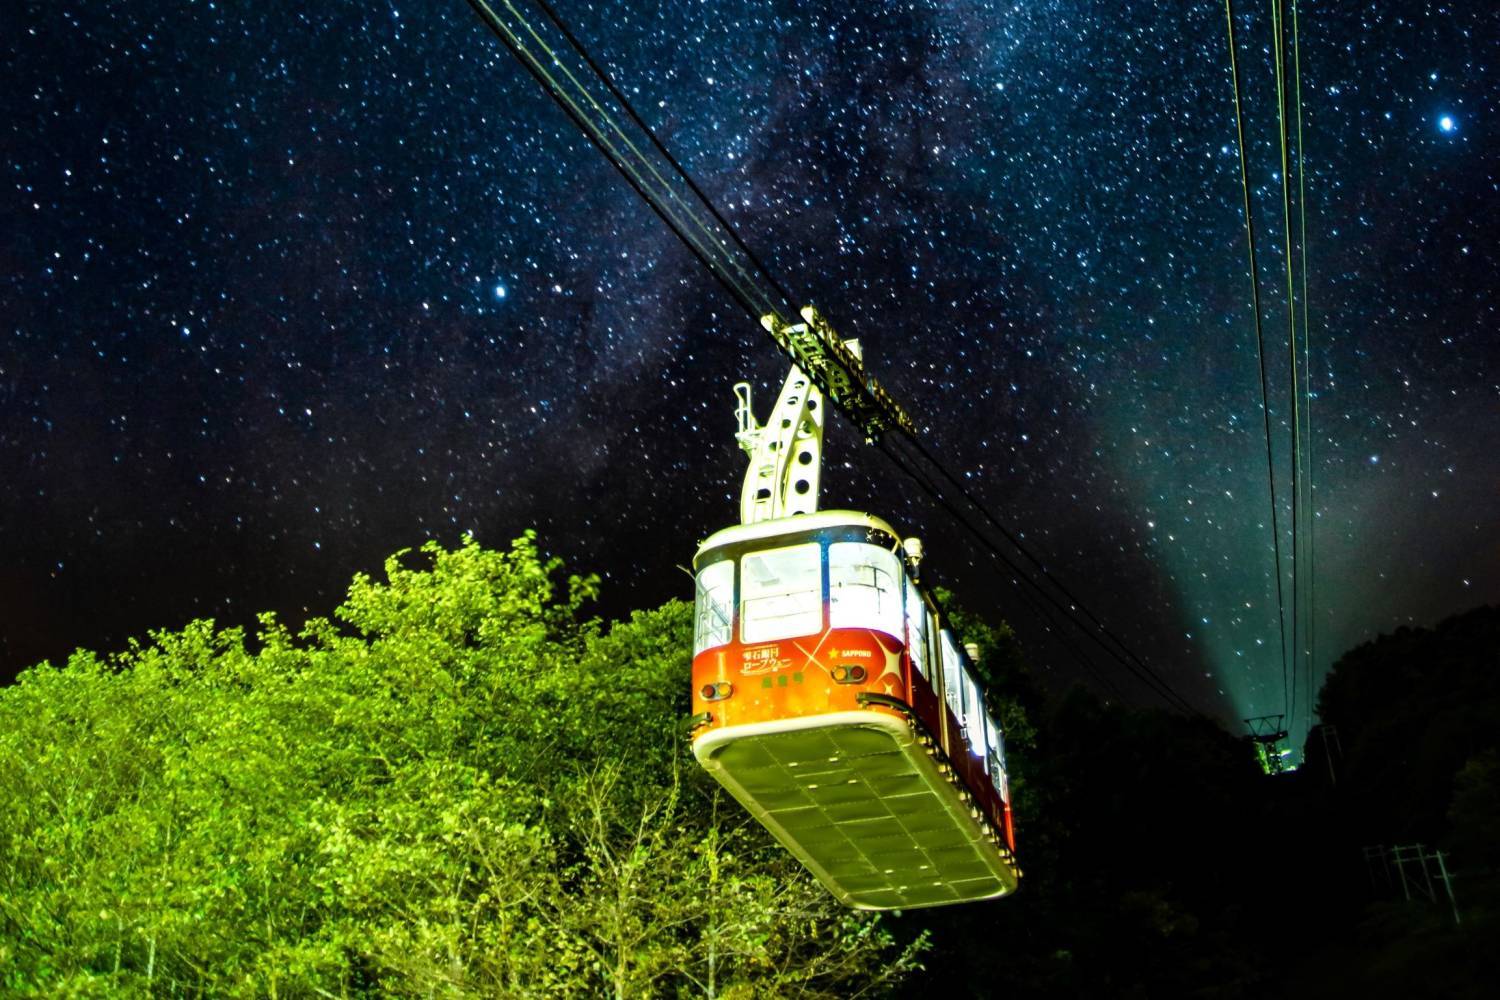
(831, 700)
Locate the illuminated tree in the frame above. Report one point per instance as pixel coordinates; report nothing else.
(458, 786)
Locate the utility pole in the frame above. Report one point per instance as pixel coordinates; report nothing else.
(1331, 745)
(1448, 885)
(1418, 856)
(1398, 854)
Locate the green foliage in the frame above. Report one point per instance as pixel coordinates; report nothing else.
(458, 786)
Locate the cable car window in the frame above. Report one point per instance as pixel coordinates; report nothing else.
(961, 695)
(714, 606)
(781, 593)
(934, 653)
(952, 676)
(916, 628)
(996, 754)
(864, 587)
(974, 720)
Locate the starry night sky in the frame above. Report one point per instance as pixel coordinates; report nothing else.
(284, 291)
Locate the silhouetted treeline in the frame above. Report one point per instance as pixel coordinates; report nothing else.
(1143, 843)
(1161, 862)
(1414, 711)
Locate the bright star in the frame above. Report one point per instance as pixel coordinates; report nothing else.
(499, 291)
(1447, 124)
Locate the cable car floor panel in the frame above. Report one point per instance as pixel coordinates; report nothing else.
(863, 805)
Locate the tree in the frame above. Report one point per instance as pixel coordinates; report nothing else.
(457, 786)
(1411, 708)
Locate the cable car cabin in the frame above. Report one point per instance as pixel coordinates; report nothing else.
(832, 703)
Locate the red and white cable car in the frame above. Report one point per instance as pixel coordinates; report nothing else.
(830, 698)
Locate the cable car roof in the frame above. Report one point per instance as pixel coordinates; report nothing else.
(739, 533)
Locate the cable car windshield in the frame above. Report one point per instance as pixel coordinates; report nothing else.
(781, 593)
(864, 587)
(715, 606)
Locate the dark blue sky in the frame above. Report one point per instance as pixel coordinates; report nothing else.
(286, 290)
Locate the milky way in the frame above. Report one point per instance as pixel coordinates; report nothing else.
(284, 291)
